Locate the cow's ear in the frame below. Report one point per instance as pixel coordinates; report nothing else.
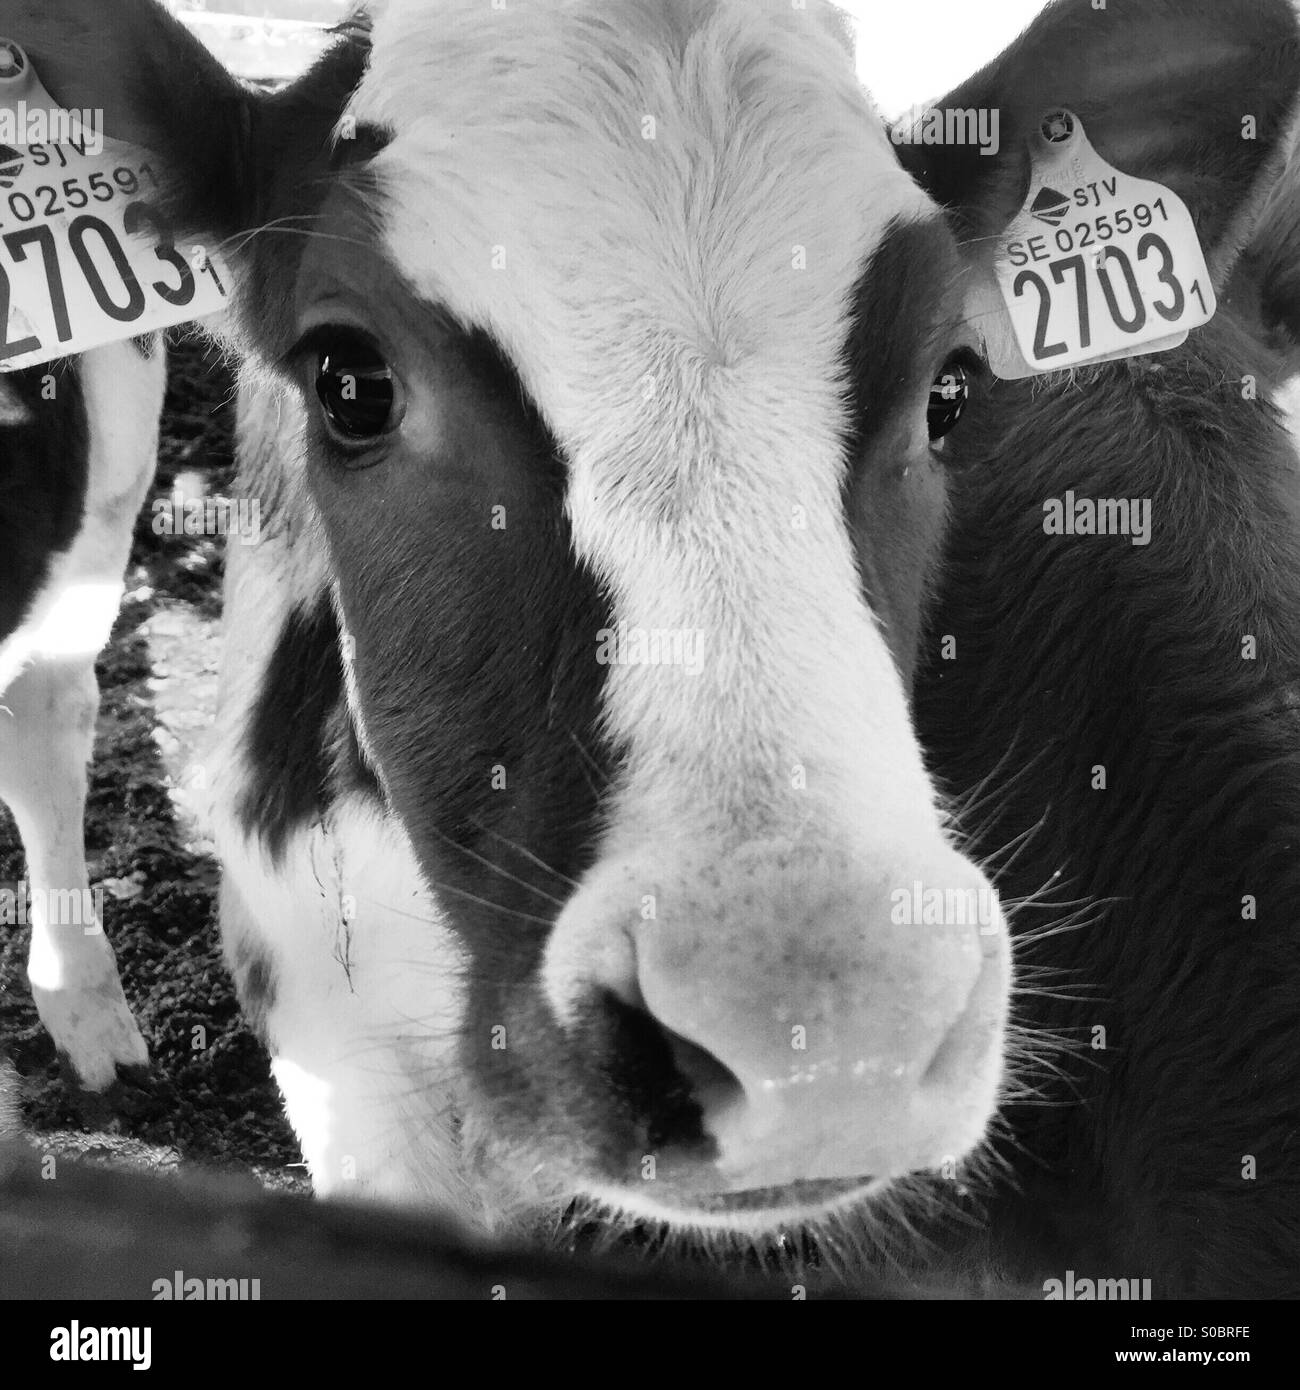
(155, 85)
(231, 159)
(1199, 95)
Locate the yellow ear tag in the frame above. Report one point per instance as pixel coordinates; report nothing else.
(86, 256)
(1096, 266)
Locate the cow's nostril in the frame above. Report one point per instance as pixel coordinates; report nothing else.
(669, 1084)
(713, 1086)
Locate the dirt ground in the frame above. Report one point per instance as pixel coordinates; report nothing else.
(211, 1100)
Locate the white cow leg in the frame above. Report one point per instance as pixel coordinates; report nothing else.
(47, 725)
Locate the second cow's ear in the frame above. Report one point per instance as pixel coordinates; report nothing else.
(154, 85)
(223, 148)
(1200, 96)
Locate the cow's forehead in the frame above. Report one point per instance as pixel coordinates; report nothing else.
(661, 210)
(632, 195)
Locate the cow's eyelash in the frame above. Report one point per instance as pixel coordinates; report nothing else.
(316, 339)
(966, 356)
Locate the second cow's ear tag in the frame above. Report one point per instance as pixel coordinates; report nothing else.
(1097, 265)
(86, 255)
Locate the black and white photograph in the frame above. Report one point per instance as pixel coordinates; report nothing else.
(650, 651)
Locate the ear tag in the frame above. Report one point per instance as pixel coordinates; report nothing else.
(86, 255)
(1096, 266)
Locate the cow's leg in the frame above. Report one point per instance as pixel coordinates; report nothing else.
(47, 728)
(48, 702)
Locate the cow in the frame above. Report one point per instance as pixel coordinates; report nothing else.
(586, 1055)
(78, 450)
(567, 785)
(1121, 716)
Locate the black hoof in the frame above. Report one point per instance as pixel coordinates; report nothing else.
(134, 1076)
(127, 1094)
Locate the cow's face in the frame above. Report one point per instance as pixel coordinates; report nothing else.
(614, 327)
(616, 361)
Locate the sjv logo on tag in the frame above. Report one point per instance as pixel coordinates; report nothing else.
(86, 256)
(1097, 265)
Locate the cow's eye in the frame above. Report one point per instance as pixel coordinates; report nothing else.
(358, 391)
(949, 397)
